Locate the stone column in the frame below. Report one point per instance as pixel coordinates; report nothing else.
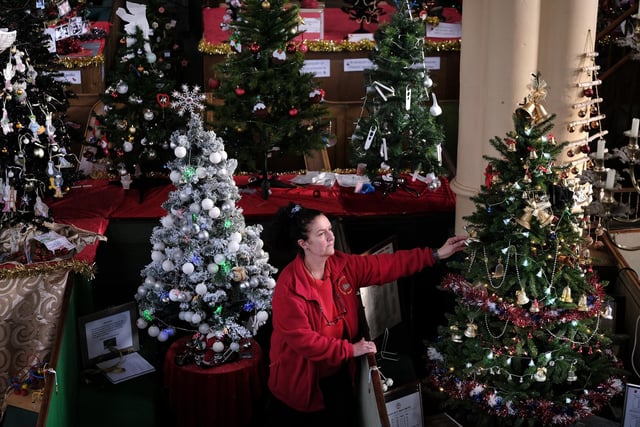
(499, 54)
(567, 32)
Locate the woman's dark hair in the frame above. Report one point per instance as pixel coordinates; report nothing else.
(290, 224)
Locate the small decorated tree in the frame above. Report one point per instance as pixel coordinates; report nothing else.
(35, 155)
(271, 106)
(400, 131)
(209, 275)
(133, 130)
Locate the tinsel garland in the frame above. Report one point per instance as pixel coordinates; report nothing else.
(80, 62)
(12, 271)
(332, 46)
(548, 412)
(478, 297)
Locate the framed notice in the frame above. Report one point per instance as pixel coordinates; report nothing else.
(108, 332)
(405, 408)
(631, 414)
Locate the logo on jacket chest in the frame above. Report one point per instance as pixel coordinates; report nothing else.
(344, 287)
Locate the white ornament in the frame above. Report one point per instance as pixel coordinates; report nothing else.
(153, 331)
(157, 256)
(180, 152)
(127, 146)
(233, 246)
(212, 268)
(175, 177)
(187, 268)
(141, 323)
(219, 258)
(206, 204)
(201, 289)
(167, 265)
(174, 295)
(214, 212)
(215, 157)
(218, 347)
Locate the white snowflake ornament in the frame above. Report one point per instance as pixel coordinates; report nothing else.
(191, 101)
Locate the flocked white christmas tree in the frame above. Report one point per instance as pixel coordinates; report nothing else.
(209, 275)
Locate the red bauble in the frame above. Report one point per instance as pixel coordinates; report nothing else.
(588, 92)
(214, 83)
(239, 91)
(293, 112)
(291, 48)
(303, 48)
(254, 47)
(585, 148)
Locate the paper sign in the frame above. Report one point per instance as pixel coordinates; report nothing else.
(432, 62)
(357, 64)
(317, 67)
(444, 31)
(74, 77)
(356, 37)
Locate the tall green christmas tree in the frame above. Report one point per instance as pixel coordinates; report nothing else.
(134, 129)
(35, 155)
(399, 131)
(271, 106)
(525, 344)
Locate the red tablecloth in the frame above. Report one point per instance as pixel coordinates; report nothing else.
(221, 396)
(94, 201)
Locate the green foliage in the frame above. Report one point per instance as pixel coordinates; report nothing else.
(135, 127)
(398, 133)
(536, 348)
(269, 105)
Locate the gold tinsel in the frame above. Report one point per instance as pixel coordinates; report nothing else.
(332, 46)
(27, 270)
(80, 62)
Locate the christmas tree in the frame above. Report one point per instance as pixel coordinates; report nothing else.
(525, 344)
(134, 129)
(209, 274)
(271, 106)
(35, 156)
(400, 131)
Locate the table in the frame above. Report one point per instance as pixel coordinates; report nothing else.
(225, 395)
(99, 201)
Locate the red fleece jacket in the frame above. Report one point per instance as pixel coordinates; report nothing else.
(297, 348)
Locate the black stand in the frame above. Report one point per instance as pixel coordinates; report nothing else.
(394, 185)
(266, 182)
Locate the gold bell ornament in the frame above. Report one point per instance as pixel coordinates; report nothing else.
(571, 376)
(540, 375)
(582, 303)
(540, 114)
(566, 295)
(471, 331)
(527, 111)
(455, 334)
(521, 297)
(541, 212)
(525, 219)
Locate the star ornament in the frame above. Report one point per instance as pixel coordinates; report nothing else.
(188, 100)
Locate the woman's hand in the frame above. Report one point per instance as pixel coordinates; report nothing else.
(363, 347)
(451, 246)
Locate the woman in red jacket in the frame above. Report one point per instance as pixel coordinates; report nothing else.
(315, 319)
